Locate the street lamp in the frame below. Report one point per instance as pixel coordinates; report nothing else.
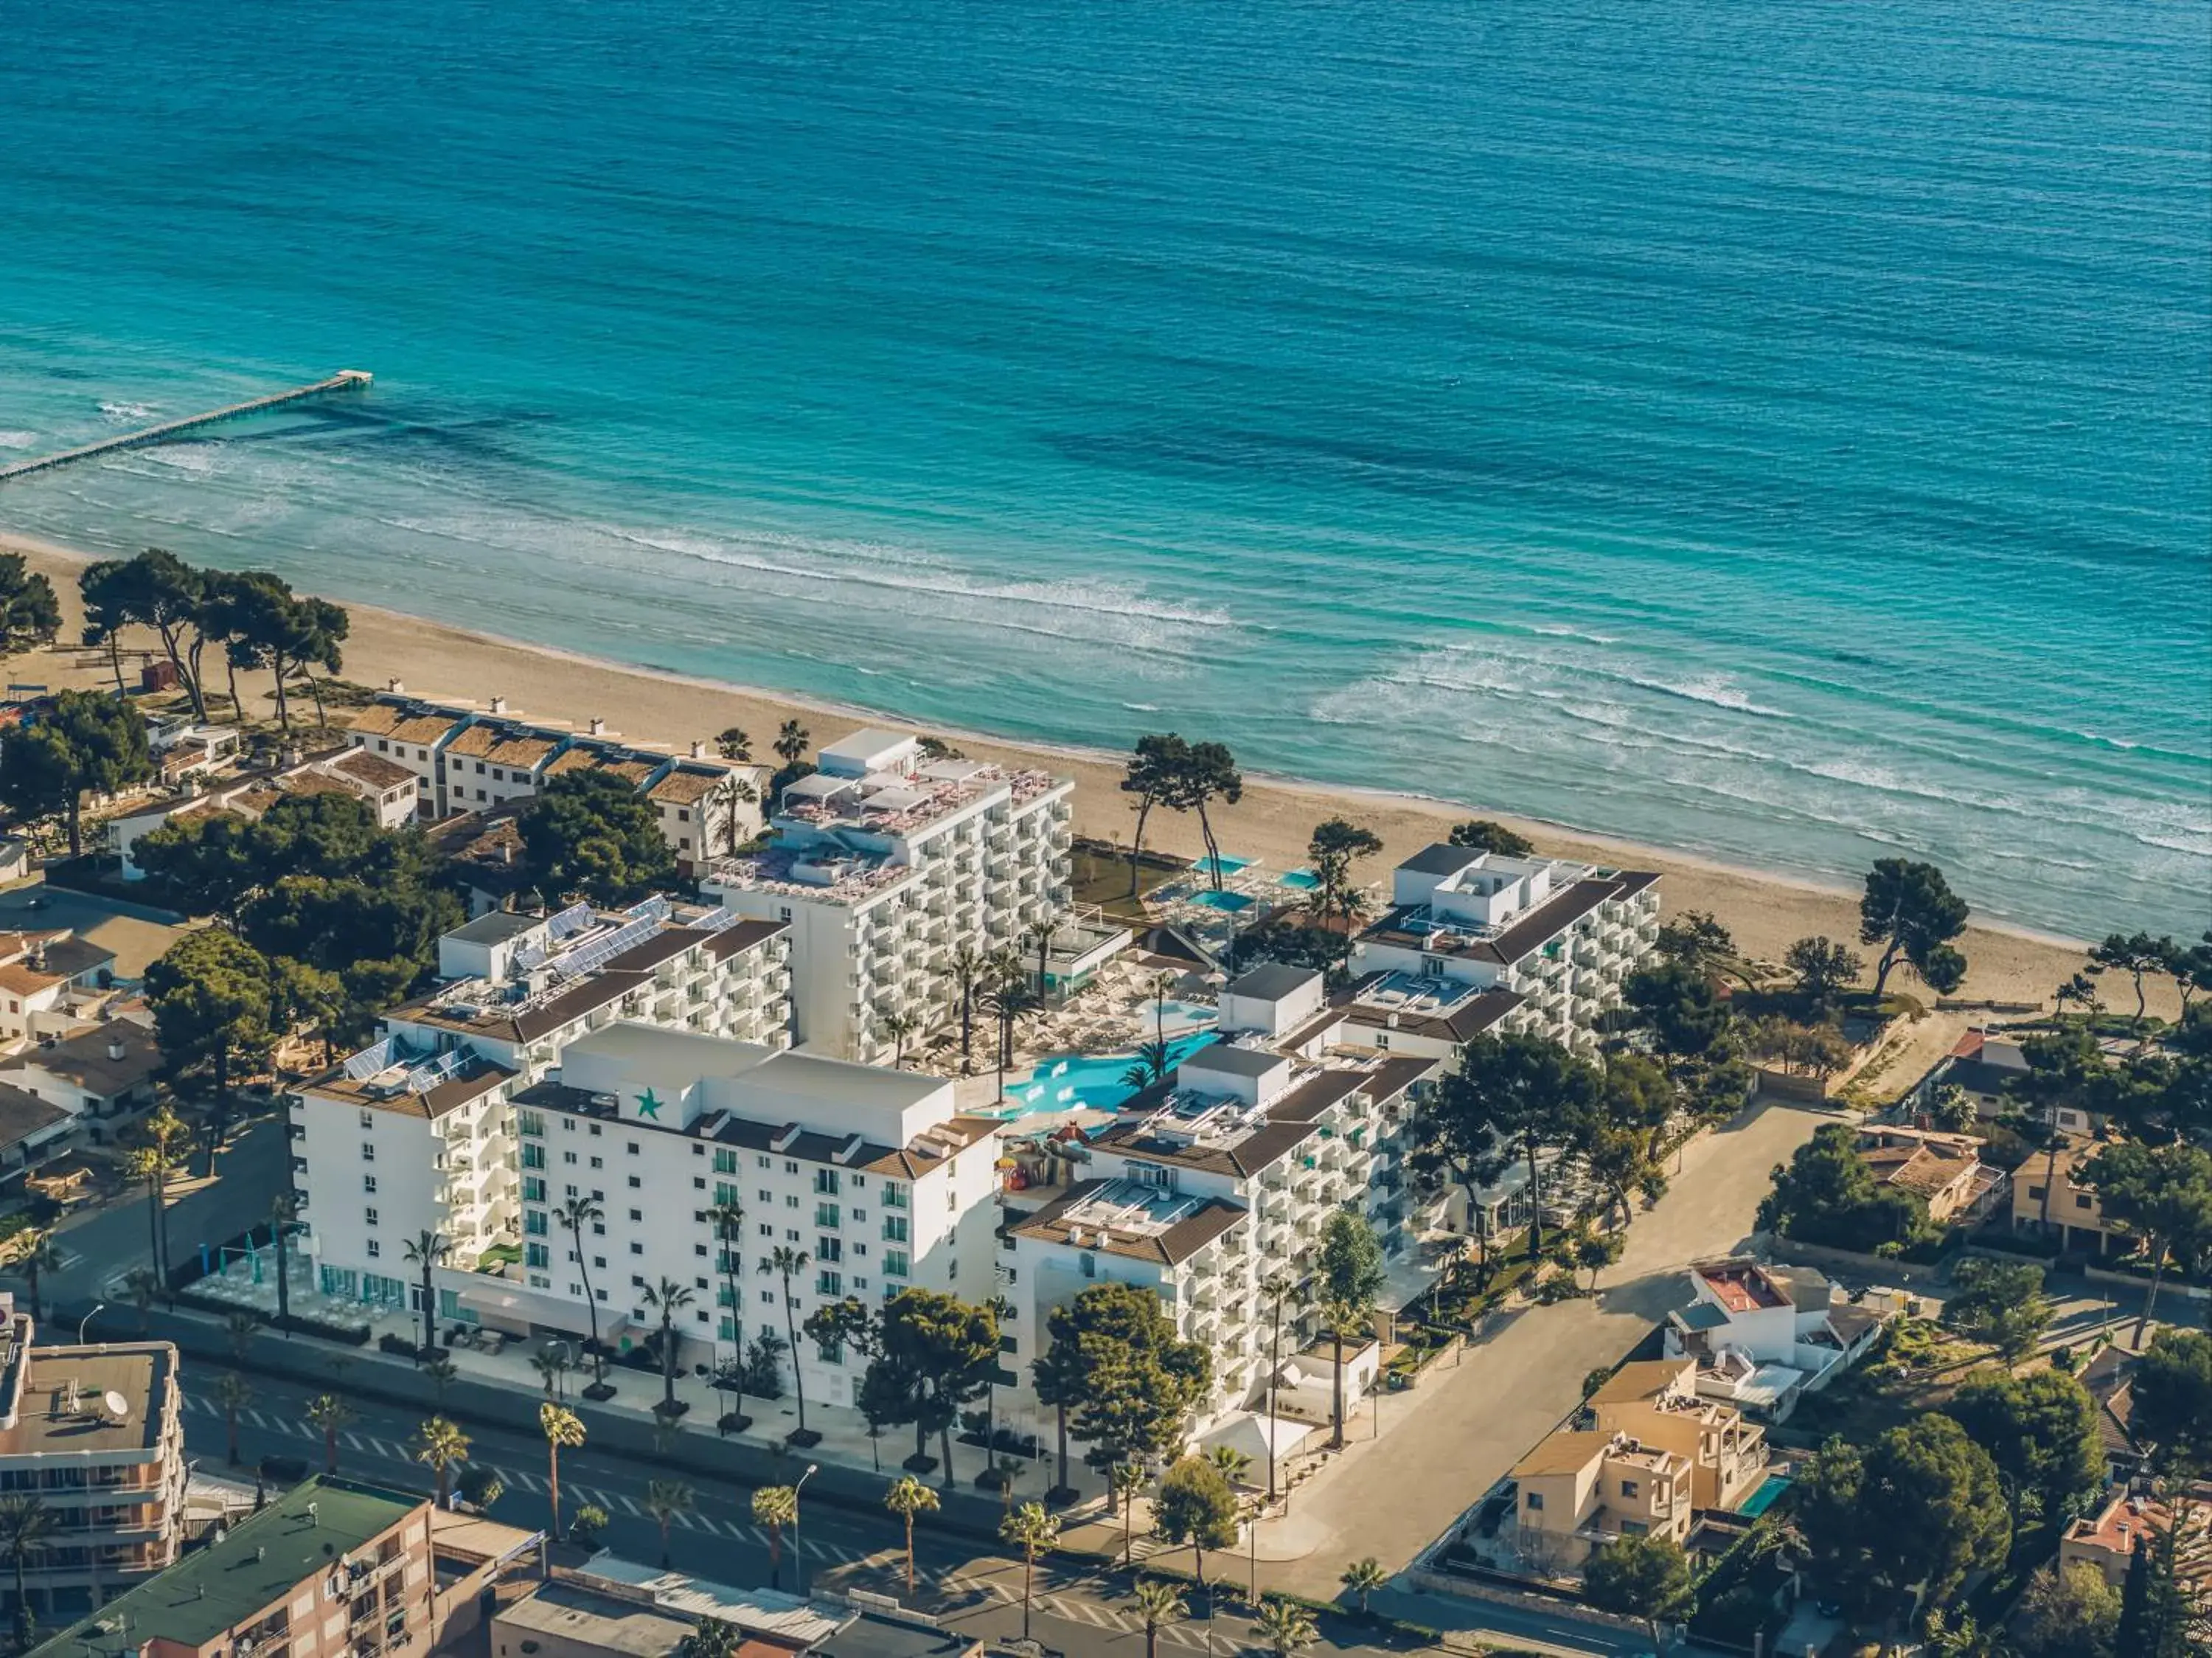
(98, 1308)
(798, 1558)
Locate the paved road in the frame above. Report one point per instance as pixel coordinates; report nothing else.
(1074, 1611)
(1445, 1444)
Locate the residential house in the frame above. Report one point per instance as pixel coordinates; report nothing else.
(1986, 1068)
(1763, 1335)
(1581, 1489)
(870, 1172)
(15, 858)
(385, 787)
(416, 1132)
(102, 1075)
(2127, 1525)
(49, 980)
(2109, 1380)
(2051, 1195)
(1561, 937)
(1657, 1402)
(32, 1130)
(96, 1432)
(886, 864)
(1945, 1171)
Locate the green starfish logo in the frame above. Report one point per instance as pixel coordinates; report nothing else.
(648, 1105)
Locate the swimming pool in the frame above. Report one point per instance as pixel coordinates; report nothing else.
(1231, 902)
(1092, 1082)
(1304, 880)
(1220, 864)
(1764, 1497)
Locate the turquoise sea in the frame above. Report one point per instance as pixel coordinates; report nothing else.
(1777, 432)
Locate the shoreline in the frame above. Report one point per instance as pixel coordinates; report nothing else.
(1766, 909)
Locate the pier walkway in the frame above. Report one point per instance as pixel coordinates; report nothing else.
(344, 380)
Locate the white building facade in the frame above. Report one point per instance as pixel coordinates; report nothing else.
(415, 1133)
(864, 1172)
(885, 862)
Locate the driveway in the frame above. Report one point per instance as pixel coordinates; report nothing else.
(1446, 1443)
(134, 932)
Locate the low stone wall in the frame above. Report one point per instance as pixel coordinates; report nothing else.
(2170, 1285)
(1798, 1090)
(1438, 1580)
(1794, 1253)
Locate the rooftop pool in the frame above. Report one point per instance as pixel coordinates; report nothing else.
(1230, 901)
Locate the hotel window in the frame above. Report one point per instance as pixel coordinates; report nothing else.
(374, 1249)
(637, 1215)
(367, 1121)
(829, 1249)
(1536, 1500)
(825, 1214)
(368, 1183)
(1628, 1488)
(368, 1152)
(895, 1263)
(825, 1181)
(726, 1161)
(368, 1215)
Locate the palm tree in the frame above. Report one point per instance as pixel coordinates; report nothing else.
(791, 741)
(1040, 934)
(908, 1498)
(1284, 1626)
(664, 1499)
(552, 1363)
(25, 1523)
(442, 1447)
(712, 1637)
(233, 1393)
(733, 744)
(330, 1413)
(775, 1507)
(427, 1249)
(562, 1427)
(1158, 1603)
(1152, 1065)
(284, 1214)
(966, 965)
(443, 1374)
(898, 1026)
(671, 1298)
(1028, 1528)
(42, 1255)
(1363, 1577)
(1278, 1289)
(785, 1262)
(1232, 1462)
(1127, 1478)
(728, 1220)
(575, 1214)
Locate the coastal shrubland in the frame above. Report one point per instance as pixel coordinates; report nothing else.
(83, 742)
(591, 833)
(1826, 1195)
(30, 611)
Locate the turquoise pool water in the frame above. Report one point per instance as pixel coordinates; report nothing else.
(1222, 864)
(1764, 1497)
(1086, 1081)
(1304, 880)
(1230, 901)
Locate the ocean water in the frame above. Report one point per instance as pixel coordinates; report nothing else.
(1776, 432)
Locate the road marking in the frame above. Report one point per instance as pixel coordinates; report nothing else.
(396, 1452)
(354, 1440)
(627, 1505)
(757, 1535)
(254, 1416)
(684, 1520)
(1183, 1637)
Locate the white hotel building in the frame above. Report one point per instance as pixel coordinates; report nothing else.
(417, 1134)
(1220, 1177)
(1474, 942)
(884, 862)
(866, 1169)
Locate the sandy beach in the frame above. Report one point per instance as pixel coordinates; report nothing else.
(1271, 823)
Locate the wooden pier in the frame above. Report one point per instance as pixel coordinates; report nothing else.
(345, 380)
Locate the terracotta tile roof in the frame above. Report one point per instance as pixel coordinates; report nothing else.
(17, 979)
(575, 759)
(686, 788)
(23, 1114)
(373, 770)
(81, 1058)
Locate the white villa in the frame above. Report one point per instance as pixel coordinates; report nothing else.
(1763, 1337)
(415, 1133)
(1475, 941)
(885, 862)
(464, 758)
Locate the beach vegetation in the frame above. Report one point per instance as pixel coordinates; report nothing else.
(1826, 1195)
(30, 614)
(1486, 836)
(1032, 1530)
(1697, 940)
(1152, 777)
(1822, 969)
(1209, 775)
(1910, 912)
(733, 743)
(155, 589)
(590, 832)
(1680, 1006)
(79, 743)
(2139, 956)
(261, 623)
(1158, 1603)
(1331, 851)
(1801, 1050)
(1295, 943)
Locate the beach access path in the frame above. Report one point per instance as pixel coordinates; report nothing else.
(1445, 1443)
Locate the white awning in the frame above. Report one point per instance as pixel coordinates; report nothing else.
(508, 1302)
(1251, 1433)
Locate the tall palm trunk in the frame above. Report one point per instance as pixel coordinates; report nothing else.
(797, 1371)
(1336, 1407)
(1137, 842)
(553, 1484)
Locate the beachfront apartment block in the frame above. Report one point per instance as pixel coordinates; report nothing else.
(868, 1172)
(387, 787)
(1464, 924)
(415, 1133)
(885, 863)
(1212, 1184)
(95, 1433)
(464, 758)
